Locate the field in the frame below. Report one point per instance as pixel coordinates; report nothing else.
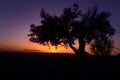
(57, 66)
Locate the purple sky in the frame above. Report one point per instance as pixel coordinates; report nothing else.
(17, 15)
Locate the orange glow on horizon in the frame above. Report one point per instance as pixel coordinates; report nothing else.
(25, 45)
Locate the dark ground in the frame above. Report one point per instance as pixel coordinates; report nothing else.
(58, 66)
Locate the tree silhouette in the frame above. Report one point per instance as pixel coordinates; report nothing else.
(71, 25)
(102, 46)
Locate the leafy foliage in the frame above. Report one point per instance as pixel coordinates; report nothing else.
(54, 30)
(102, 46)
(71, 25)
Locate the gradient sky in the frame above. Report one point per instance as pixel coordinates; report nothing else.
(17, 15)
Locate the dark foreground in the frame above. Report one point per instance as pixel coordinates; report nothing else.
(58, 66)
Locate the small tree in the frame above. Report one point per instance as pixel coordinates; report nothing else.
(71, 25)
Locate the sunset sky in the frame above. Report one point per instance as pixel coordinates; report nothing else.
(17, 15)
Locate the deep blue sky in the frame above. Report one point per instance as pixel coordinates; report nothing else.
(17, 15)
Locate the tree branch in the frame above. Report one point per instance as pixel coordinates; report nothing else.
(72, 47)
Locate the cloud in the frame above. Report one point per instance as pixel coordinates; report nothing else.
(30, 50)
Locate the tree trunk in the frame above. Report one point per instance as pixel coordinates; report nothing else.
(81, 48)
(80, 52)
(72, 47)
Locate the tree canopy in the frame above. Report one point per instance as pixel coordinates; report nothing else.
(73, 24)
